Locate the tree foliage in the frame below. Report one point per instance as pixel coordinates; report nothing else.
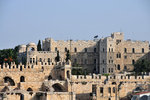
(39, 48)
(57, 58)
(68, 57)
(9, 55)
(142, 66)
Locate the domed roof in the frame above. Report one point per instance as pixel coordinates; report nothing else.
(31, 43)
(23, 46)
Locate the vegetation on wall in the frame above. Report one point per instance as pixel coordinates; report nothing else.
(142, 66)
(9, 55)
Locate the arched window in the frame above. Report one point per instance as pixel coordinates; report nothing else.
(30, 91)
(118, 67)
(133, 61)
(85, 49)
(142, 50)
(65, 49)
(133, 50)
(75, 49)
(22, 79)
(20, 68)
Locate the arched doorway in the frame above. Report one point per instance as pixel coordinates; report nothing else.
(22, 79)
(9, 81)
(21, 97)
(58, 88)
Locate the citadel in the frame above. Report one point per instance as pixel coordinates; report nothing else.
(42, 78)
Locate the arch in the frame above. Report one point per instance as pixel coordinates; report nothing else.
(22, 79)
(75, 49)
(58, 88)
(30, 91)
(9, 80)
(118, 67)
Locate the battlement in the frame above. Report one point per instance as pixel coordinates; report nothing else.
(117, 77)
(31, 67)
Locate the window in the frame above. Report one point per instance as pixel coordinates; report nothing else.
(103, 61)
(94, 49)
(125, 67)
(118, 55)
(133, 50)
(40, 59)
(101, 89)
(109, 49)
(125, 50)
(65, 49)
(30, 60)
(22, 79)
(114, 89)
(56, 49)
(125, 57)
(112, 49)
(75, 49)
(133, 62)
(94, 61)
(48, 59)
(103, 49)
(85, 49)
(103, 70)
(112, 70)
(109, 70)
(118, 67)
(33, 60)
(142, 50)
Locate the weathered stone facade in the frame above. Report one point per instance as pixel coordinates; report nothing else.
(42, 78)
(108, 55)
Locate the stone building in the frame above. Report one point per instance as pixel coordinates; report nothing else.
(107, 55)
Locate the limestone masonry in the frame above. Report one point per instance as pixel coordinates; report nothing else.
(42, 78)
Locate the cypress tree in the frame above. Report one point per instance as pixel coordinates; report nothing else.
(68, 56)
(57, 58)
(39, 46)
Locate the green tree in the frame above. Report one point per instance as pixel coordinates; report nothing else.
(68, 57)
(39, 46)
(57, 58)
(9, 55)
(142, 65)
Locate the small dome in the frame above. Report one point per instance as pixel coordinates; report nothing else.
(32, 44)
(23, 46)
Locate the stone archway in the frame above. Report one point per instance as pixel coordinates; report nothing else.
(9, 80)
(58, 88)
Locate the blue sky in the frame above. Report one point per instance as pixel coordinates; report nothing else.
(24, 21)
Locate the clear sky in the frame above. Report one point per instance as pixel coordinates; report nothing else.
(24, 21)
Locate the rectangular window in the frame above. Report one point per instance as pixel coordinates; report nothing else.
(101, 89)
(133, 50)
(142, 50)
